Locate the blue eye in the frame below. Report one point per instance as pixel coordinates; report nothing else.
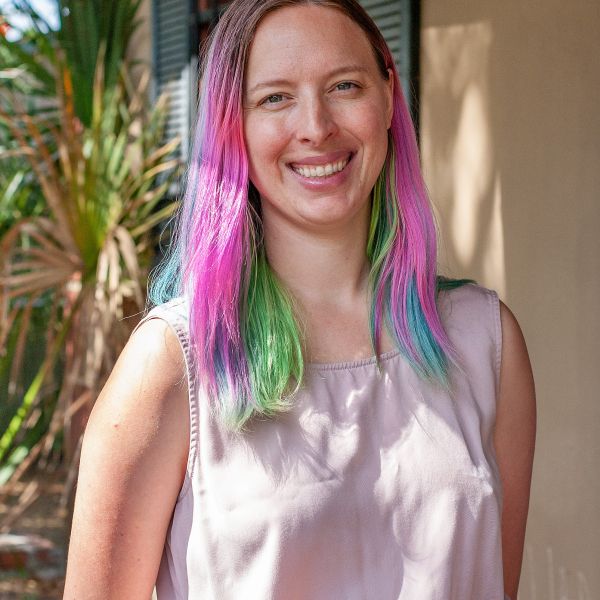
(345, 85)
(273, 99)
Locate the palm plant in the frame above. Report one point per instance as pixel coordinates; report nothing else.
(103, 171)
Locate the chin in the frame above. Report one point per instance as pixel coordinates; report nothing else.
(333, 217)
(325, 212)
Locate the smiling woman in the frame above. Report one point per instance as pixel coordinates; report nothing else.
(315, 123)
(310, 411)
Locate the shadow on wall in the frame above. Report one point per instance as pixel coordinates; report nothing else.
(543, 579)
(509, 140)
(460, 162)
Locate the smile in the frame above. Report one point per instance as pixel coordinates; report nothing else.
(319, 171)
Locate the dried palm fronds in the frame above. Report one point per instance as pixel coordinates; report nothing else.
(87, 256)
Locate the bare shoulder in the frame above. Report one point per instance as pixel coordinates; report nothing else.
(153, 353)
(517, 390)
(515, 358)
(514, 440)
(153, 343)
(133, 464)
(146, 392)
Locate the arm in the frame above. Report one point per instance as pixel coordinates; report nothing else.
(514, 440)
(132, 467)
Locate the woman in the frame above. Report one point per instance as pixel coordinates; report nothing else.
(248, 444)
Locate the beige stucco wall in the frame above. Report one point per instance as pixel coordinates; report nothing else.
(510, 128)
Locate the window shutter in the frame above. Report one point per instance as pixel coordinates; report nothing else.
(395, 19)
(175, 67)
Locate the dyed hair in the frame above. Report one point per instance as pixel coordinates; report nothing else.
(245, 335)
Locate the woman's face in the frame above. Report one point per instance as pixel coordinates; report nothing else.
(316, 115)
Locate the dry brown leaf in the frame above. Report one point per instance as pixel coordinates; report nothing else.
(15, 368)
(130, 259)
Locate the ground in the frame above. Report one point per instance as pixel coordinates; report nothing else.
(42, 578)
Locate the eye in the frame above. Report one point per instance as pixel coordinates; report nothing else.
(344, 86)
(272, 99)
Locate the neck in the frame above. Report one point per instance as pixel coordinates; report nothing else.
(319, 267)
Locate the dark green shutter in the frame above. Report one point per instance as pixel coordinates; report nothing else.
(175, 66)
(398, 21)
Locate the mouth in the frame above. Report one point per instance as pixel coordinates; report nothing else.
(323, 170)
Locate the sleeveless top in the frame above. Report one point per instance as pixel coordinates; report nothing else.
(376, 485)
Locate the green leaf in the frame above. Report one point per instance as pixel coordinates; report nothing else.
(17, 456)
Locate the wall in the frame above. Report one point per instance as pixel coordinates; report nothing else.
(510, 133)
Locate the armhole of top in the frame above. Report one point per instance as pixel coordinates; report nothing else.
(177, 325)
(495, 305)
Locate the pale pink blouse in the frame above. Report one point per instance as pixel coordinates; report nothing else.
(376, 485)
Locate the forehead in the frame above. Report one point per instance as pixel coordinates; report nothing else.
(305, 39)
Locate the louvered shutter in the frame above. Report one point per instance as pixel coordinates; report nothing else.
(395, 19)
(175, 66)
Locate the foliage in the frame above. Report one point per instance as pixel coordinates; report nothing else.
(20, 193)
(86, 26)
(102, 170)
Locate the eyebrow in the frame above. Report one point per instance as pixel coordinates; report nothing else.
(284, 82)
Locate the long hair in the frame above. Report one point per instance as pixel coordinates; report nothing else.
(245, 336)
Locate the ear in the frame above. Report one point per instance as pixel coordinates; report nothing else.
(389, 93)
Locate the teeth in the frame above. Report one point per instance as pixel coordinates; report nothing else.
(321, 170)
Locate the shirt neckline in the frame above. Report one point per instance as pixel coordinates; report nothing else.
(352, 364)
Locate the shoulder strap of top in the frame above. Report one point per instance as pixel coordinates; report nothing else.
(475, 312)
(175, 314)
(493, 314)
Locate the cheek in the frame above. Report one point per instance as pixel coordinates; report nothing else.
(369, 121)
(264, 144)
(371, 128)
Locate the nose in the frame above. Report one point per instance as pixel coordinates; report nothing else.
(315, 121)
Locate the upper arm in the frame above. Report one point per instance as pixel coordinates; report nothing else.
(133, 462)
(514, 439)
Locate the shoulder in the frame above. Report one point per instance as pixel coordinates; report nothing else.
(160, 340)
(512, 335)
(517, 394)
(175, 313)
(472, 309)
(143, 407)
(153, 352)
(467, 294)
(153, 356)
(470, 306)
